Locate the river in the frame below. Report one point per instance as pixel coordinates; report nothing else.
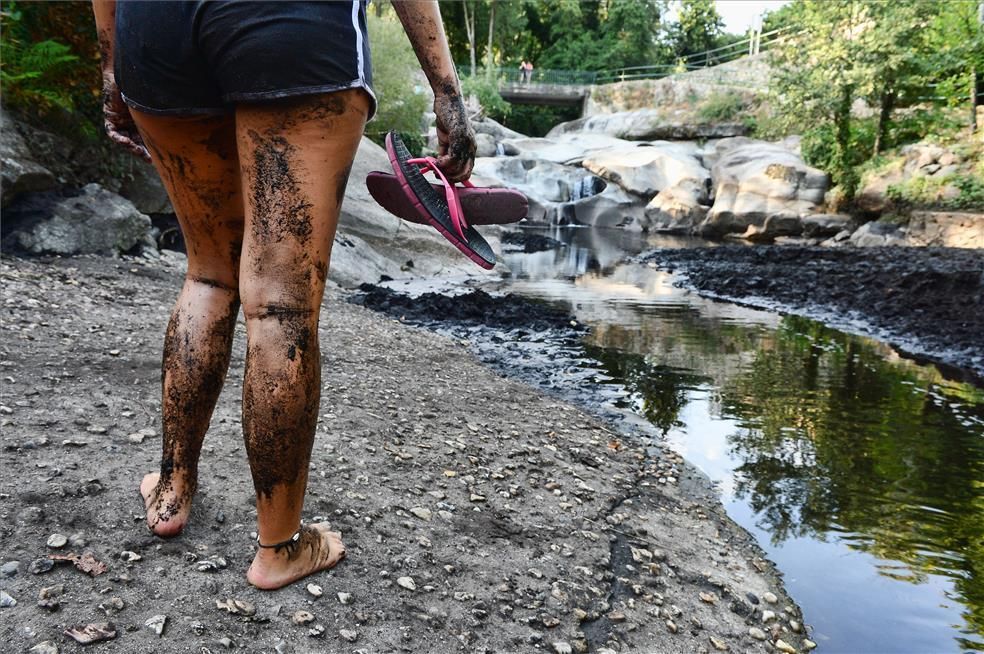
(860, 472)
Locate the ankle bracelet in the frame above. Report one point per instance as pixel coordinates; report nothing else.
(288, 544)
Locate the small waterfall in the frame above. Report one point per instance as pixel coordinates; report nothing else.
(585, 187)
(500, 151)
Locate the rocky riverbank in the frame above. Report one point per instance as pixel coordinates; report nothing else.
(479, 514)
(925, 301)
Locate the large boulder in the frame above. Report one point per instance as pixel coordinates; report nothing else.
(756, 180)
(825, 225)
(95, 222)
(647, 168)
(676, 210)
(878, 234)
(19, 172)
(952, 229)
(649, 124)
(565, 149)
(613, 207)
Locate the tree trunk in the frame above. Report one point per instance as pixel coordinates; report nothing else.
(884, 114)
(842, 122)
(470, 31)
(489, 60)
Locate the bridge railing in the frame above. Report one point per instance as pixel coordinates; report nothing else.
(516, 77)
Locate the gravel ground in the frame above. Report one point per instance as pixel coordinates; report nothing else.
(927, 302)
(479, 515)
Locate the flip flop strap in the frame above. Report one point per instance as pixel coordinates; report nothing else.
(450, 192)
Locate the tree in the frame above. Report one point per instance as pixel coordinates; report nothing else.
(698, 28)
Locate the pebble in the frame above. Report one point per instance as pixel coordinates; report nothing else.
(302, 617)
(236, 607)
(280, 647)
(770, 598)
(9, 569)
(315, 590)
(406, 582)
(795, 626)
(349, 635)
(710, 598)
(45, 647)
(56, 541)
(156, 624)
(616, 616)
(783, 646)
(112, 605)
(562, 647)
(6, 601)
(672, 626)
(808, 644)
(345, 598)
(316, 631)
(752, 597)
(227, 642)
(129, 556)
(768, 616)
(718, 644)
(477, 498)
(48, 596)
(422, 513)
(136, 438)
(77, 540)
(40, 566)
(757, 633)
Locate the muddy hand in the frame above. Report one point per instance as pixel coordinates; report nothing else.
(455, 138)
(118, 121)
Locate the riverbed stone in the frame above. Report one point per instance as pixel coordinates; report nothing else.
(645, 169)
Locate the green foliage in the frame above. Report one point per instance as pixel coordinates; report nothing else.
(938, 192)
(487, 93)
(890, 55)
(535, 120)
(698, 28)
(35, 73)
(397, 83)
(721, 107)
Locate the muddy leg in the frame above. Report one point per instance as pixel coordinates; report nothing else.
(295, 157)
(196, 159)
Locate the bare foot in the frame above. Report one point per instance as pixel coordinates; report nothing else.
(167, 508)
(317, 549)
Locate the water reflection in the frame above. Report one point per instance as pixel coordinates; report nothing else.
(861, 473)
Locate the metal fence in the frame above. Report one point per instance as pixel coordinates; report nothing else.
(516, 77)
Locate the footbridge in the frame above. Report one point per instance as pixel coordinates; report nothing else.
(573, 87)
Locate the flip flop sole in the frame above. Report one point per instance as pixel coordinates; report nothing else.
(481, 206)
(433, 207)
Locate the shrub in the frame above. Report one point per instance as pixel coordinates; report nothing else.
(397, 81)
(721, 107)
(487, 93)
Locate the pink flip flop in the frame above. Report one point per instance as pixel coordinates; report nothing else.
(482, 205)
(441, 211)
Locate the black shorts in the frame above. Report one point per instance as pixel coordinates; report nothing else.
(197, 57)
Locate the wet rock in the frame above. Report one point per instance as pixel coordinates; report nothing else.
(784, 647)
(302, 617)
(6, 601)
(406, 582)
(156, 624)
(91, 633)
(348, 634)
(56, 541)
